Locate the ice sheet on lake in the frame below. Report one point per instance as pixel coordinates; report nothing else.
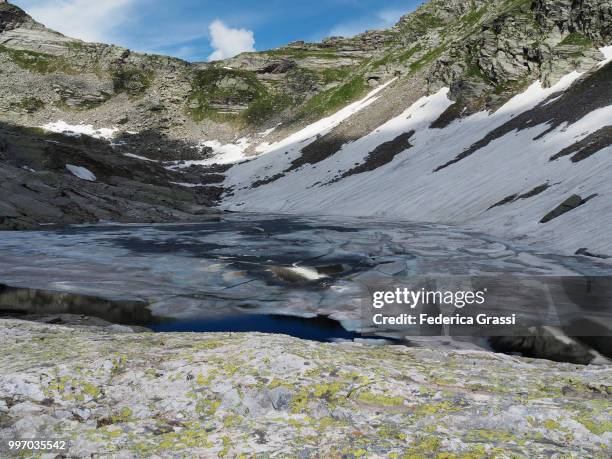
(230, 266)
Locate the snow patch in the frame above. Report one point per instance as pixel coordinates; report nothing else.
(323, 126)
(267, 132)
(229, 153)
(188, 185)
(81, 172)
(142, 158)
(407, 188)
(77, 130)
(607, 52)
(307, 273)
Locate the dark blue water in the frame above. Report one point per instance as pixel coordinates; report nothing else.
(314, 329)
(38, 304)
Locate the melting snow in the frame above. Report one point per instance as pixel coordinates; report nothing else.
(233, 153)
(77, 130)
(267, 132)
(142, 158)
(229, 153)
(188, 185)
(81, 172)
(407, 188)
(607, 52)
(307, 273)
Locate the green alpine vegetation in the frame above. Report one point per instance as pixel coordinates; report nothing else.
(576, 39)
(333, 99)
(37, 62)
(217, 91)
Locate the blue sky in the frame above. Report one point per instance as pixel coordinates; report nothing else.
(201, 30)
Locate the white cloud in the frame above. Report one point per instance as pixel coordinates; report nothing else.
(84, 19)
(380, 20)
(228, 42)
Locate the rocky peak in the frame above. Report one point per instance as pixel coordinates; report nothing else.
(484, 50)
(593, 17)
(12, 16)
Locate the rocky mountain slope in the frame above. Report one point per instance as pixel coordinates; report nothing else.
(492, 115)
(502, 126)
(47, 76)
(48, 178)
(483, 50)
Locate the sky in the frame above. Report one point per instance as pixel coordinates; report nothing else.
(201, 30)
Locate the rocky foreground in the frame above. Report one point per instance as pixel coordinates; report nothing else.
(232, 395)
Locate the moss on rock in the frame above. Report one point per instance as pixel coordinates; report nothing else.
(233, 395)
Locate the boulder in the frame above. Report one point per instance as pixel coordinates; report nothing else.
(569, 204)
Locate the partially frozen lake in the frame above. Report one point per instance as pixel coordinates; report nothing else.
(262, 265)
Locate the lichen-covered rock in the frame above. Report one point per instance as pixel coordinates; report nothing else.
(227, 395)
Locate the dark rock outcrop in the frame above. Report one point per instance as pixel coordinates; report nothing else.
(381, 155)
(12, 16)
(549, 343)
(39, 305)
(570, 203)
(39, 189)
(588, 146)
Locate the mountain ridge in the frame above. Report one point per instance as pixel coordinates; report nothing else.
(301, 81)
(295, 128)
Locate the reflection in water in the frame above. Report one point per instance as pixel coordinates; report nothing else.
(18, 302)
(22, 301)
